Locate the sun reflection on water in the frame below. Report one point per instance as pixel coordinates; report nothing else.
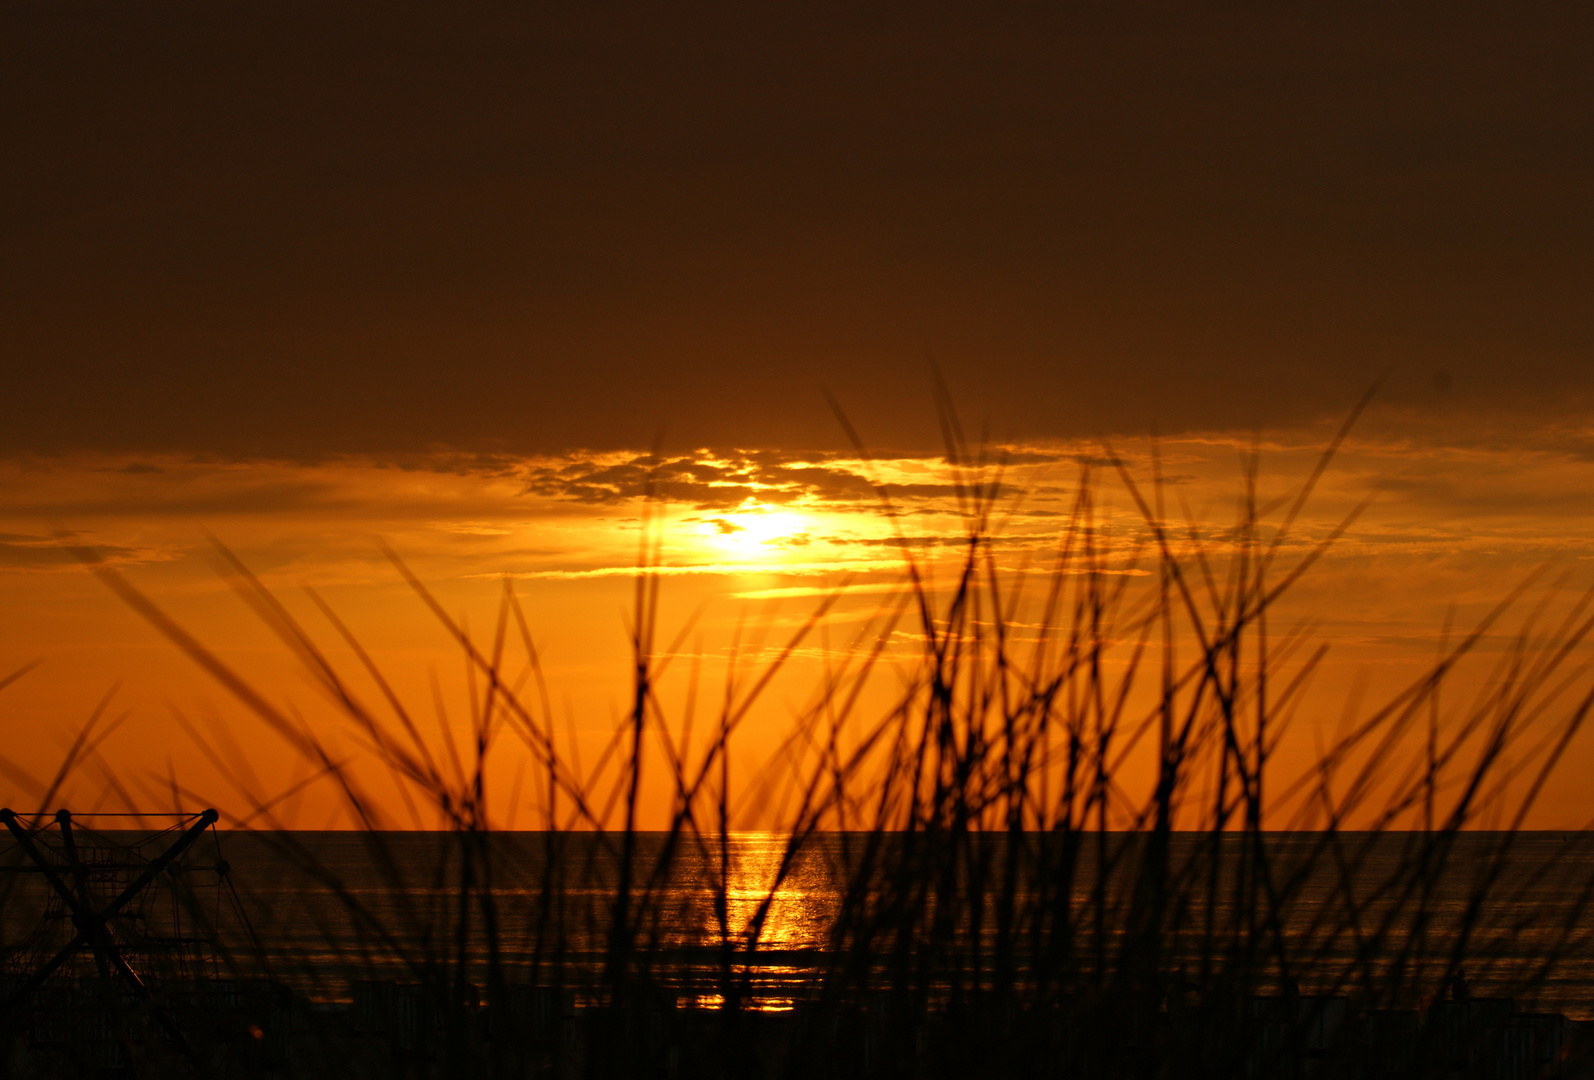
(800, 909)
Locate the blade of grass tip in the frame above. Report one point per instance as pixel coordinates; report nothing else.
(1413, 696)
(189, 645)
(1192, 535)
(1568, 634)
(611, 750)
(92, 747)
(674, 758)
(661, 665)
(474, 711)
(244, 784)
(529, 730)
(849, 705)
(445, 735)
(736, 715)
(265, 604)
(482, 724)
(689, 708)
(533, 659)
(171, 782)
(473, 722)
(21, 777)
(484, 731)
(19, 672)
(427, 764)
(1162, 543)
(578, 811)
(1323, 462)
(1572, 727)
(75, 751)
(1040, 656)
(264, 809)
(883, 493)
(513, 811)
(1229, 638)
(1292, 694)
(572, 788)
(1316, 553)
(227, 743)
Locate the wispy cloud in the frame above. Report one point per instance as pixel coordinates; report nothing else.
(726, 569)
(710, 480)
(797, 592)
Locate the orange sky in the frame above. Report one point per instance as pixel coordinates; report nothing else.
(314, 276)
(751, 544)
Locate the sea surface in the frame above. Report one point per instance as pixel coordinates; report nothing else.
(324, 911)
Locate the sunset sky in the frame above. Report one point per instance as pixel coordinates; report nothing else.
(472, 281)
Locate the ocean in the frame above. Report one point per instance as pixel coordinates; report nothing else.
(1400, 917)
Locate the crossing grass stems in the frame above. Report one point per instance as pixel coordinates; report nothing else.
(1007, 903)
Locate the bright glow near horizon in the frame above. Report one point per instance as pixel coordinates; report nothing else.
(754, 531)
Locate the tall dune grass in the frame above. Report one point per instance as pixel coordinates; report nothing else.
(1066, 851)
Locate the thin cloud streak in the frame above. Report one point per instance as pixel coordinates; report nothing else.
(743, 569)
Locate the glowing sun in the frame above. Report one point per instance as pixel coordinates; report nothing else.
(753, 530)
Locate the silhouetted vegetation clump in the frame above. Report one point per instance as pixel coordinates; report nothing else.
(1066, 850)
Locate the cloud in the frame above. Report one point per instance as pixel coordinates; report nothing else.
(23, 551)
(799, 592)
(71, 492)
(725, 569)
(709, 481)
